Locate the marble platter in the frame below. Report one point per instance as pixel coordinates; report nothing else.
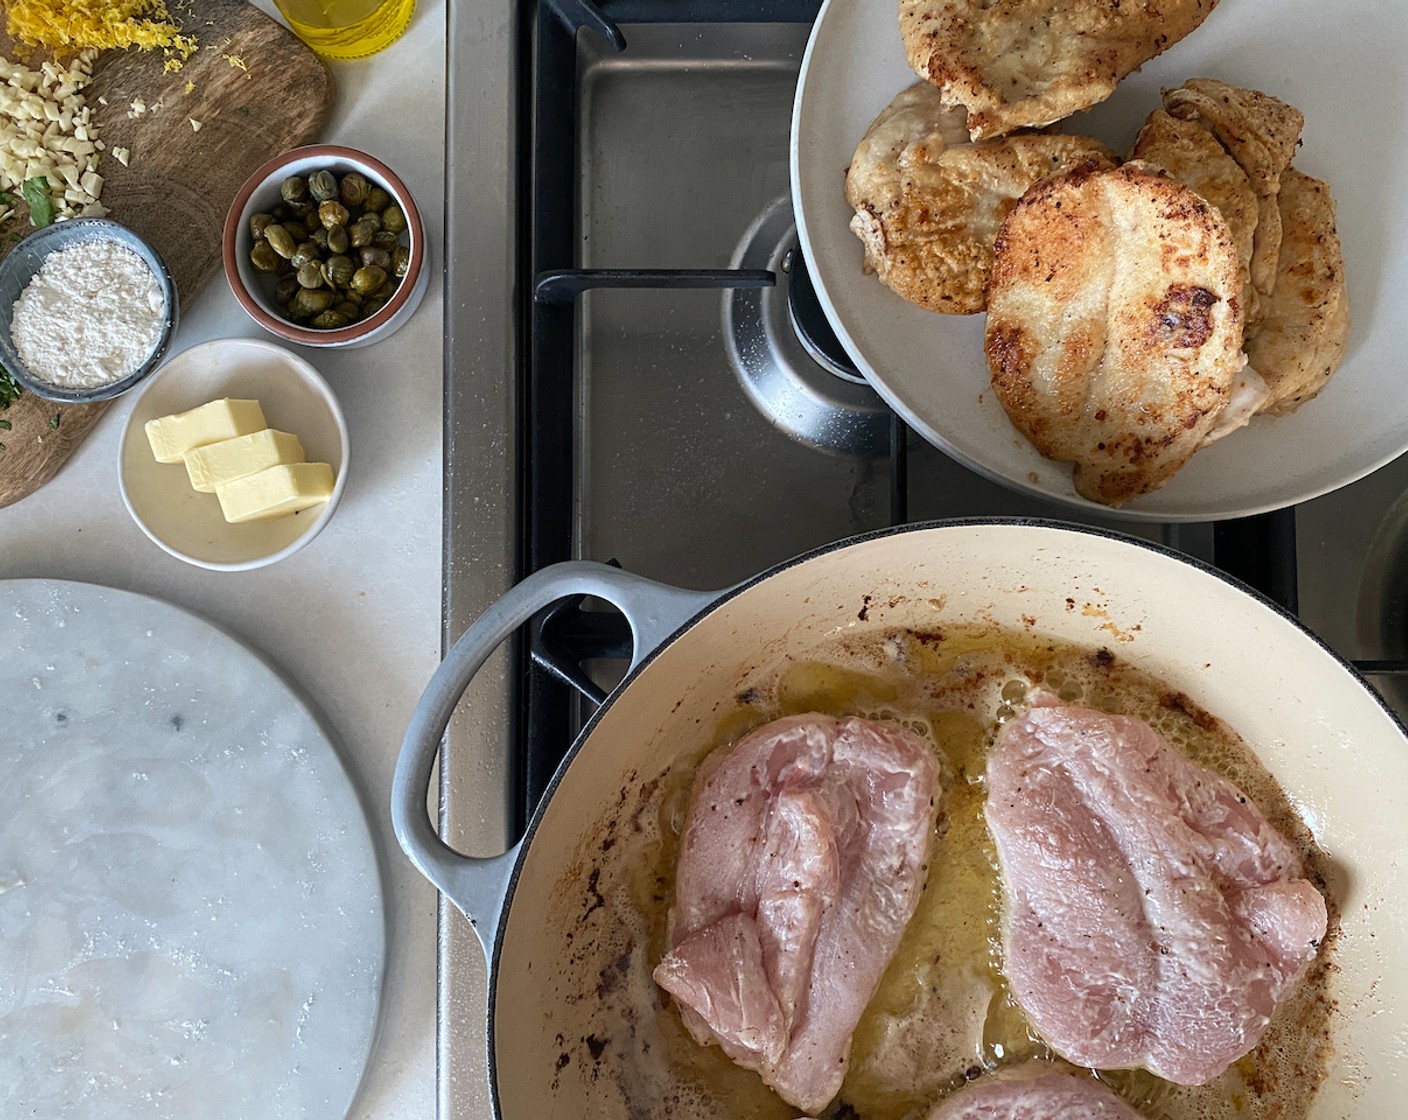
(191, 911)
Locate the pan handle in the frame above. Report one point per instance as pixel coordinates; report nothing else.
(479, 886)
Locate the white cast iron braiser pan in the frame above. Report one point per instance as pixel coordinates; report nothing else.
(558, 915)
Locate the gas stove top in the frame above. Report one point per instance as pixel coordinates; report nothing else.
(637, 372)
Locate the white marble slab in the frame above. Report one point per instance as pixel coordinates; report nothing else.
(190, 902)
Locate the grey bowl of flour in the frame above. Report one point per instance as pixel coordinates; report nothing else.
(95, 327)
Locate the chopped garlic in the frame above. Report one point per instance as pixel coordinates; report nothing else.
(195, 125)
(122, 155)
(46, 131)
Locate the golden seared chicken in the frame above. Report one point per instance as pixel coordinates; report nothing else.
(1231, 145)
(1114, 332)
(929, 203)
(1259, 130)
(1234, 147)
(1196, 158)
(1028, 63)
(1302, 337)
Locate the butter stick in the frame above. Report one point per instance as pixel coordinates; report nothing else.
(172, 436)
(275, 492)
(230, 459)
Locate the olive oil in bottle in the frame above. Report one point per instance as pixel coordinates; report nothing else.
(347, 28)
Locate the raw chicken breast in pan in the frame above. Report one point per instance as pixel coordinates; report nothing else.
(801, 863)
(1155, 917)
(1034, 1092)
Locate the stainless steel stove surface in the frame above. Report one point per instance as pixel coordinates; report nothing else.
(690, 434)
(682, 473)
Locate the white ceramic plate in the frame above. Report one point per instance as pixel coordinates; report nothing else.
(1340, 66)
(189, 524)
(191, 916)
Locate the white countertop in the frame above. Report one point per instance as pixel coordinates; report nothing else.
(354, 618)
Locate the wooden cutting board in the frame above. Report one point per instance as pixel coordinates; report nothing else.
(256, 91)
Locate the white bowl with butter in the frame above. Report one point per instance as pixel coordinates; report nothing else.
(223, 506)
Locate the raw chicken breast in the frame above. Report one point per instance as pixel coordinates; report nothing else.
(1155, 917)
(1034, 1093)
(801, 864)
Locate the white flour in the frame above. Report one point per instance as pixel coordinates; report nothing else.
(90, 316)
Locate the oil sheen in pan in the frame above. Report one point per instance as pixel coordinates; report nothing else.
(943, 1013)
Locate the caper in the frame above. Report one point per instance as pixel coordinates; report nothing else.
(302, 210)
(359, 233)
(305, 252)
(368, 279)
(338, 240)
(339, 271)
(258, 223)
(322, 185)
(310, 275)
(354, 189)
(346, 307)
(401, 260)
(377, 201)
(282, 242)
(263, 257)
(294, 189)
(372, 306)
(297, 230)
(385, 239)
(373, 220)
(319, 237)
(332, 214)
(328, 320)
(282, 213)
(386, 291)
(285, 290)
(310, 301)
(394, 219)
(371, 255)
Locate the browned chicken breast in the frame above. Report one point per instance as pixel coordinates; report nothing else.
(1302, 338)
(1210, 133)
(1260, 131)
(1234, 147)
(1195, 157)
(1029, 63)
(929, 203)
(1114, 330)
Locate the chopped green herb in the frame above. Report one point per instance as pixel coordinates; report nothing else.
(17, 235)
(5, 425)
(2, 447)
(41, 205)
(243, 110)
(9, 389)
(6, 197)
(54, 420)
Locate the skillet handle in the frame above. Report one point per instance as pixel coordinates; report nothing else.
(479, 886)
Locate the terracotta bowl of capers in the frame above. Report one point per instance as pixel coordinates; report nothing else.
(324, 246)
